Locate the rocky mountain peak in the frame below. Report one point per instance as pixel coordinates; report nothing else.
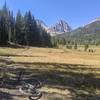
(60, 27)
(63, 26)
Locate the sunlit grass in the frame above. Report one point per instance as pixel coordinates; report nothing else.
(64, 72)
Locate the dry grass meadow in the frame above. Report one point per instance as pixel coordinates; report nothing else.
(65, 74)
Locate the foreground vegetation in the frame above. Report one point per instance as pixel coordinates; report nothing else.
(65, 74)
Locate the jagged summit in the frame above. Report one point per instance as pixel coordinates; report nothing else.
(60, 27)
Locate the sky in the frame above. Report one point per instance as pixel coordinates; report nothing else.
(75, 12)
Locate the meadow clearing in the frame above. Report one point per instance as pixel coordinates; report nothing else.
(65, 74)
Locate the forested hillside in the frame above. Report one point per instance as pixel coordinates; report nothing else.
(21, 29)
(88, 34)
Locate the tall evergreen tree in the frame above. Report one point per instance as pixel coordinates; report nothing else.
(31, 30)
(12, 28)
(4, 25)
(46, 39)
(19, 29)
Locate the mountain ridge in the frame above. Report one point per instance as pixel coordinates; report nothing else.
(61, 27)
(89, 33)
(58, 28)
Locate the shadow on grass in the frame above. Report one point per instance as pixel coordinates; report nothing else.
(5, 96)
(66, 79)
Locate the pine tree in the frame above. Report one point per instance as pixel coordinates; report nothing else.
(12, 28)
(32, 35)
(19, 29)
(4, 24)
(75, 46)
(22, 30)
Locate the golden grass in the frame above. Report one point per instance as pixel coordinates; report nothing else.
(55, 90)
(64, 63)
(47, 55)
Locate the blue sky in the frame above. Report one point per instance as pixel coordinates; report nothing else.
(75, 12)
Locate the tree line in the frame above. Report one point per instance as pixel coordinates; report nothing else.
(70, 44)
(22, 29)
